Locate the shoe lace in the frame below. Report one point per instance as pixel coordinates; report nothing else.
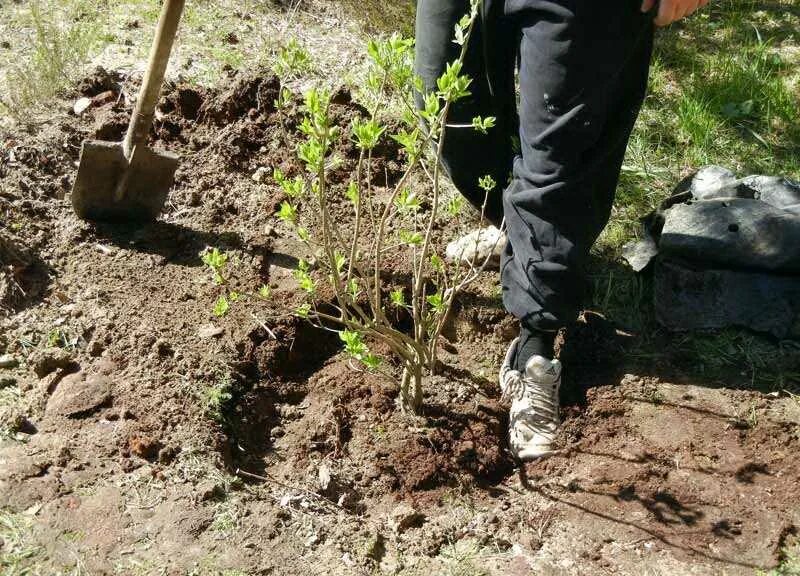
(543, 396)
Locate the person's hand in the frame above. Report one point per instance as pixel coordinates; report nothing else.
(670, 11)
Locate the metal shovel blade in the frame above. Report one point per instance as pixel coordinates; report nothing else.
(149, 175)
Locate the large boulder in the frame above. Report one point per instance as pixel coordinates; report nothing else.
(736, 233)
(692, 298)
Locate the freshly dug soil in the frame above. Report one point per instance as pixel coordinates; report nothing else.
(139, 408)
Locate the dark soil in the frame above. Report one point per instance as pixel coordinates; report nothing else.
(135, 430)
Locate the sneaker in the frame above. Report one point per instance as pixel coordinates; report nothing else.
(534, 417)
(474, 248)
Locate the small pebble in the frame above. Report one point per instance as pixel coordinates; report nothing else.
(8, 361)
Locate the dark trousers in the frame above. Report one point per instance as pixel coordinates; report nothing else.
(557, 152)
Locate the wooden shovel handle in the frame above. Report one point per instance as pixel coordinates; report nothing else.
(142, 118)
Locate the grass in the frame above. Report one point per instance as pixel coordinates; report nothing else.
(55, 44)
(789, 566)
(216, 398)
(463, 558)
(724, 89)
(17, 552)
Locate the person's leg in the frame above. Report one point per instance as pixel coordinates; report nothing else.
(469, 155)
(583, 76)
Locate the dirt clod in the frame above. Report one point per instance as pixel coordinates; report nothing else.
(79, 395)
(51, 359)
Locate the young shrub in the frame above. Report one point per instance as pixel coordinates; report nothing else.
(351, 263)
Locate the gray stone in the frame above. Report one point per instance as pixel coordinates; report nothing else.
(210, 331)
(735, 233)
(639, 254)
(78, 395)
(688, 298)
(709, 180)
(8, 361)
(776, 191)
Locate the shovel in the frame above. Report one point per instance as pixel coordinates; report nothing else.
(127, 181)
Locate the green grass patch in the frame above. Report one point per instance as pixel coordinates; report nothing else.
(17, 551)
(724, 89)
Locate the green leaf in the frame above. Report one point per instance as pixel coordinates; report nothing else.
(452, 84)
(352, 192)
(264, 292)
(352, 288)
(287, 213)
(214, 259)
(409, 141)
(305, 281)
(436, 302)
(339, 261)
(355, 346)
(367, 133)
(221, 307)
(303, 311)
(371, 361)
(483, 125)
(407, 201)
(455, 206)
(303, 278)
(353, 343)
(411, 238)
(398, 298)
(487, 183)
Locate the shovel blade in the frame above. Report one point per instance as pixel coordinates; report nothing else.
(102, 166)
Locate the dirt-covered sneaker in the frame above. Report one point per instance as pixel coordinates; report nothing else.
(477, 246)
(534, 417)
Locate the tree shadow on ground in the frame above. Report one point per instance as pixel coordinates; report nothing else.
(664, 507)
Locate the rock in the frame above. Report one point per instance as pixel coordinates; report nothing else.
(78, 395)
(324, 476)
(7, 361)
(734, 233)
(210, 331)
(775, 191)
(51, 359)
(404, 517)
(81, 105)
(260, 175)
(709, 180)
(104, 98)
(640, 253)
(689, 298)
